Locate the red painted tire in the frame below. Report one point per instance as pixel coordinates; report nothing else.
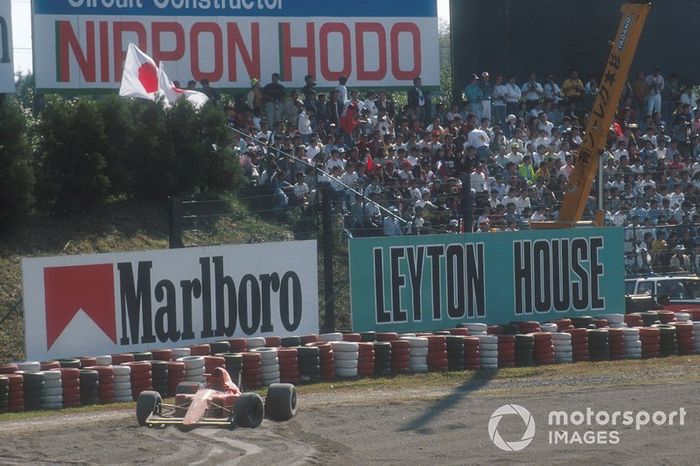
(387, 336)
(272, 342)
(161, 355)
(306, 339)
(200, 350)
(353, 337)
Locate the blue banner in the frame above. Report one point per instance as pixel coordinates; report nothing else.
(423, 283)
(242, 8)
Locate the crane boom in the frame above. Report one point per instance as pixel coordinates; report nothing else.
(622, 50)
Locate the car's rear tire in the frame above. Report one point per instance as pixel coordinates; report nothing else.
(249, 410)
(281, 401)
(187, 388)
(148, 402)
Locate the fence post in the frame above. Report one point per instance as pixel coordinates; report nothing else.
(328, 252)
(175, 222)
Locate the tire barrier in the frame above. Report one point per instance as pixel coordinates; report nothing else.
(50, 365)
(28, 366)
(89, 384)
(650, 318)
(144, 356)
(181, 353)
(194, 368)
(382, 358)
(346, 354)
(459, 331)
(176, 374)
(105, 388)
(651, 342)
(417, 353)
(549, 327)
(598, 345)
(563, 351)
(684, 336)
(326, 358)
(634, 320)
(69, 363)
(387, 336)
(472, 355)
(122, 358)
(162, 355)
(544, 348)
(668, 345)
(15, 401)
(289, 365)
(352, 337)
(33, 389)
(401, 356)
(475, 329)
(488, 351)
(238, 345)
(310, 361)
(103, 360)
(615, 320)
(600, 323)
(52, 392)
(252, 370)
(70, 380)
(524, 350)
(633, 345)
(233, 362)
(305, 339)
(506, 350)
(273, 342)
(696, 337)
(616, 338)
(200, 350)
(88, 362)
(8, 368)
(256, 342)
(369, 337)
(564, 324)
(159, 373)
(220, 347)
(579, 343)
(212, 362)
(290, 342)
(335, 336)
(4, 394)
(123, 390)
(437, 353)
(666, 317)
(582, 322)
(528, 327)
(366, 359)
(269, 365)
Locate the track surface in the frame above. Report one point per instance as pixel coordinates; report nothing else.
(418, 425)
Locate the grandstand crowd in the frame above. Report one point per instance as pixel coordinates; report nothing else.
(513, 142)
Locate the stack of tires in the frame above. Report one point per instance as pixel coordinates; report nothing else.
(143, 356)
(476, 329)
(33, 389)
(651, 343)
(252, 370)
(334, 336)
(273, 342)
(369, 337)
(488, 351)
(506, 350)
(123, 390)
(70, 379)
(202, 350)
(194, 368)
(50, 365)
(70, 363)
(616, 337)
(544, 348)
(563, 352)
(582, 322)
(326, 360)
(437, 353)
(88, 362)
(564, 324)
(269, 365)
(163, 355)
(28, 366)
(549, 327)
(387, 336)
(650, 318)
(176, 374)
(462, 331)
(666, 317)
(4, 394)
(579, 344)
(159, 373)
(352, 337)
(289, 364)
(212, 362)
(105, 360)
(633, 346)
(118, 359)
(306, 339)
(382, 358)
(472, 355)
(220, 347)
(634, 320)
(696, 336)
(290, 342)
(668, 345)
(524, 350)
(347, 356)
(417, 353)
(255, 342)
(105, 388)
(15, 402)
(615, 320)
(309, 358)
(401, 356)
(600, 323)
(233, 362)
(52, 393)
(365, 364)
(684, 337)
(526, 327)
(89, 386)
(598, 345)
(180, 353)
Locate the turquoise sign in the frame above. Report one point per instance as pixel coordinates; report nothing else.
(423, 283)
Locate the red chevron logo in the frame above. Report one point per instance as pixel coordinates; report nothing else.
(89, 288)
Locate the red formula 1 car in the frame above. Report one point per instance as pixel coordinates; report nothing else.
(218, 403)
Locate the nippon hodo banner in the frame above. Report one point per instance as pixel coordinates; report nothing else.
(136, 301)
(81, 44)
(423, 283)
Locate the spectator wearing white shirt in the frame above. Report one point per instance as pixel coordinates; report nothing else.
(512, 95)
(532, 91)
(655, 83)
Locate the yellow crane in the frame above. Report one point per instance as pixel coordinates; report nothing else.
(622, 50)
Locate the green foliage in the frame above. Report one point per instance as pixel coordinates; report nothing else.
(16, 174)
(115, 112)
(72, 172)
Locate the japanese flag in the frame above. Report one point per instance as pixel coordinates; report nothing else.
(173, 94)
(140, 77)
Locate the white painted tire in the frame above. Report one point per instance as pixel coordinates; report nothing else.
(416, 342)
(561, 336)
(630, 331)
(52, 391)
(52, 375)
(192, 362)
(346, 364)
(331, 337)
(418, 352)
(551, 328)
(488, 347)
(122, 371)
(345, 346)
(122, 386)
(256, 342)
(271, 375)
(488, 354)
(620, 325)
(488, 360)
(271, 369)
(476, 327)
(266, 353)
(53, 406)
(492, 339)
(271, 362)
(346, 373)
(682, 316)
(346, 355)
(406, 335)
(29, 366)
(417, 361)
(180, 353)
(195, 372)
(613, 318)
(103, 360)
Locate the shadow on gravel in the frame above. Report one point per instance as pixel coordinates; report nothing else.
(477, 382)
